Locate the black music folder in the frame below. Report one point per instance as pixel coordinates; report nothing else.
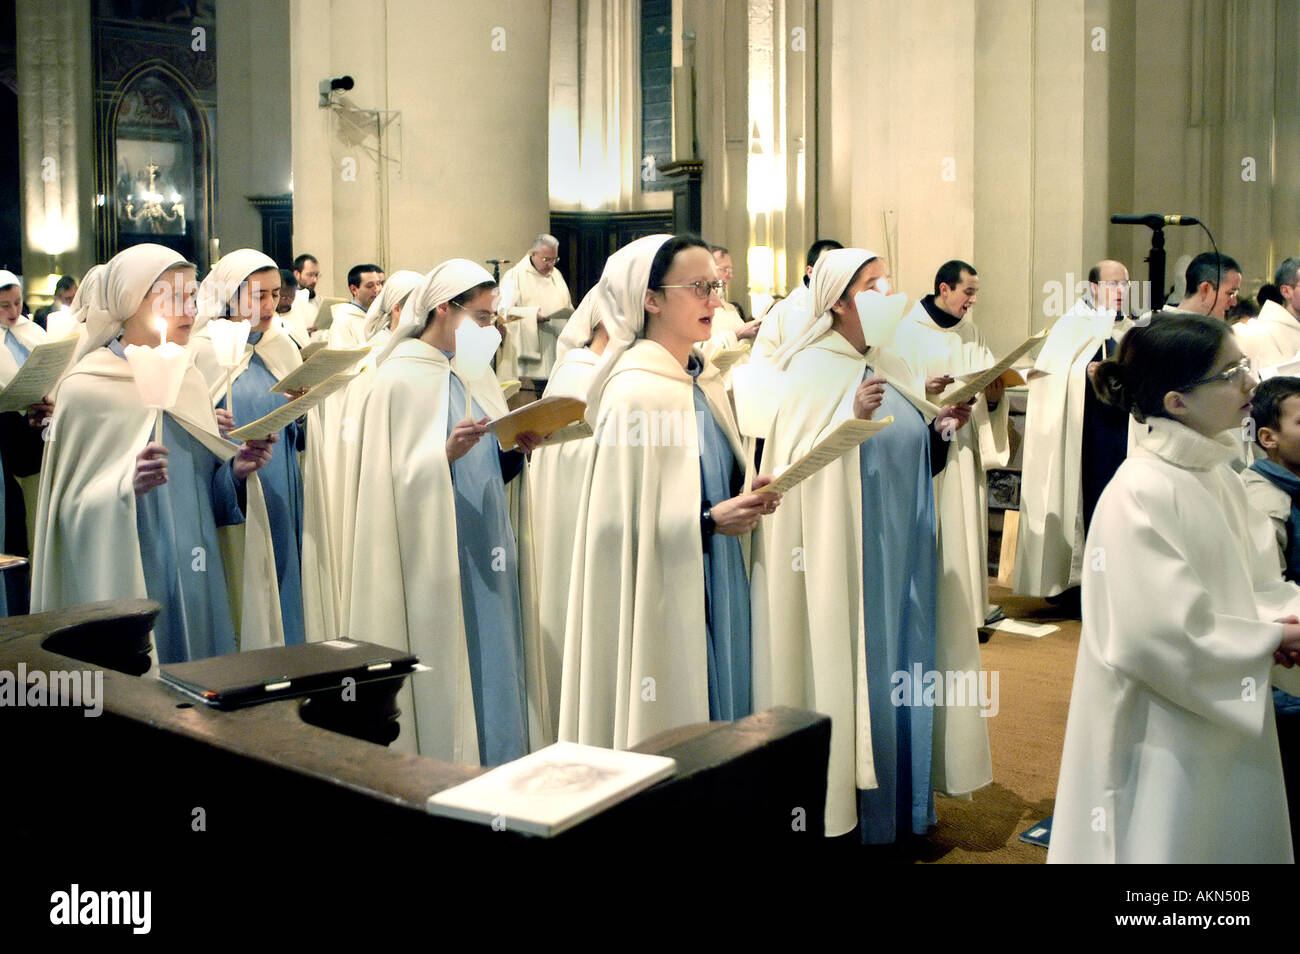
(263, 675)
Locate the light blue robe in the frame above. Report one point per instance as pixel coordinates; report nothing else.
(726, 588)
(281, 484)
(489, 588)
(179, 551)
(17, 579)
(899, 572)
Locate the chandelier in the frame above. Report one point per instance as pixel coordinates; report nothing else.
(151, 210)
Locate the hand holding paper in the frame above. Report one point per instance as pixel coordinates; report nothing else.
(843, 439)
(973, 387)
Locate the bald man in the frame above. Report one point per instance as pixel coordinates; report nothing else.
(536, 305)
(1073, 442)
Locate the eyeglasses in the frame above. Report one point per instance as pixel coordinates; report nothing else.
(548, 260)
(1234, 375)
(702, 288)
(482, 318)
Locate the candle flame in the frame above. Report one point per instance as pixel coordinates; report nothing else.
(160, 326)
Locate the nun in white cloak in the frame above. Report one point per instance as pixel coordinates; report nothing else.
(120, 517)
(657, 625)
(844, 576)
(297, 511)
(431, 559)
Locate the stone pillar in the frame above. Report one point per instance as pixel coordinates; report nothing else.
(56, 139)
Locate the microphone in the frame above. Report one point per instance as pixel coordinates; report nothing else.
(1154, 221)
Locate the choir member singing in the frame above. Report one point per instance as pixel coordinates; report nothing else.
(121, 516)
(657, 628)
(245, 286)
(432, 563)
(844, 576)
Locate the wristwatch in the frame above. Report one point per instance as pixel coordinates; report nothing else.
(707, 526)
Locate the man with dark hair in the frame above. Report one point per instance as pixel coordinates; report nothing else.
(1273, 337)
(1073, 442)
(347, 330)
(65, 289)
(1212, 281)
(791, 313)
(302, 316)
(938, 341)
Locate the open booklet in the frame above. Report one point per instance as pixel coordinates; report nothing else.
(839, 442)
(286, 414)
(561, 315)
(544, 418)
(319, 368)
(553, 789)
(961, 393)
(39, 374)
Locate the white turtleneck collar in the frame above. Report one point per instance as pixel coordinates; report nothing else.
(1184, 447)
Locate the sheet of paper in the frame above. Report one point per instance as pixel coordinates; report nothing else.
(311, 349)
(319, 368)
(960, 394)
(286, 414)
(1287, 368)
(843, 439)
(39, 374)
(574, 432)
(543, 417)
(1010, 377)
(325, 312)
(1020, 628)
(510, 388)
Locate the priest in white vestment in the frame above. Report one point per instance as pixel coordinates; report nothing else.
(302, 314)
(535, 303)
(432, 564)
(1211, 282)
(347, 330)
(1273, 338)
(1171, 751)
(1074, 443)
(732, 337)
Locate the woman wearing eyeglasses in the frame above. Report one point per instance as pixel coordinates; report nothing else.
(1171, 750)
(657, 627)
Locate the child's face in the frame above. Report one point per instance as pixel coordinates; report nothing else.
(1221, 400)
(1283, 442)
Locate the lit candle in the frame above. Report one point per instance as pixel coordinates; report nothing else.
(158, 373)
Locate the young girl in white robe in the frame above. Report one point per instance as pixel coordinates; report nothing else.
(1171, 750)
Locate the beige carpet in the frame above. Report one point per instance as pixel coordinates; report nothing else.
(1034, 679)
